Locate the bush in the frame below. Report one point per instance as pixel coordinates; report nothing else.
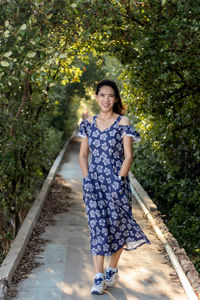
(176, 198)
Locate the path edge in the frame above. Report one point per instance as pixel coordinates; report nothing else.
(18, 246)
(179, 254)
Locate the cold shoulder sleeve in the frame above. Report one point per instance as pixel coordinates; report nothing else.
(84, 128)
(130, 131)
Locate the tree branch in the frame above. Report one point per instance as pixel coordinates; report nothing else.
(26, 91)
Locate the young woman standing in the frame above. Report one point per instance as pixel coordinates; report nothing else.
(106, 185)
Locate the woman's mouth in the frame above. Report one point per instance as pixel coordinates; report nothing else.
(105, 105)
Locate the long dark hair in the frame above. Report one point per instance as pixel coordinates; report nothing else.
(118, 107)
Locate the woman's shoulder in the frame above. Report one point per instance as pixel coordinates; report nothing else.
(90, 119)
(85, 127)
(124, 121)
(87, 120)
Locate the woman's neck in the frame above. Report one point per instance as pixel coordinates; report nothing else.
(106, 116)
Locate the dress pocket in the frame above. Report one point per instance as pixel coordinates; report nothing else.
(84, 179)
(86, 186)
(86, 183)
(117, 187)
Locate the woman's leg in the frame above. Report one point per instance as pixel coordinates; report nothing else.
(99, 280)
(112, 274)
(98, 263)
(115, 258)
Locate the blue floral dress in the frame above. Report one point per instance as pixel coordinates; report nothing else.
(107, 198)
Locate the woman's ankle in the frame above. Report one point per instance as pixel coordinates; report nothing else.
(99, 274)
(112, 269)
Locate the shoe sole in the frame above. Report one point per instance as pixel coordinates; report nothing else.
(96, 293)
(99, 293)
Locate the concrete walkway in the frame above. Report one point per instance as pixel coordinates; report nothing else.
(67, 270)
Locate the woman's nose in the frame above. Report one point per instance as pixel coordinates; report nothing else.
(108, 98)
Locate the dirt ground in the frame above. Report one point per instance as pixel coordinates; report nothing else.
(56, 203)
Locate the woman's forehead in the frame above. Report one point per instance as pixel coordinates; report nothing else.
(106, 89)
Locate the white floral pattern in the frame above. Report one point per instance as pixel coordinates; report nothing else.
(108, 200)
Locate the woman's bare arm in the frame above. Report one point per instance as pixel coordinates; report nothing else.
(83, 156)
(128, 150)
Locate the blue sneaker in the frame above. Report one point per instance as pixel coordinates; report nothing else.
(98, 286)
(111, 277)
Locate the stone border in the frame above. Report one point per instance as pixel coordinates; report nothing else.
(18, 246)
(142, 194)
(169, 241)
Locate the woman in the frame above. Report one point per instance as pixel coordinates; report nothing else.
(106, 186)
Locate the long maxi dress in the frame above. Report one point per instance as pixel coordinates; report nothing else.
(107, 198)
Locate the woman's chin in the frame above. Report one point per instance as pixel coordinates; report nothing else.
(106, 109)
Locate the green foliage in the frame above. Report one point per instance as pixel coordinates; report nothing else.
(161, 86)
(32, 61)
(40, 68)
(52, 143)
(177, 199)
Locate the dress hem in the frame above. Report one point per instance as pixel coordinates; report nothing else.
(123, 246)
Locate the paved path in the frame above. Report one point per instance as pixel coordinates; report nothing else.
(67, 270)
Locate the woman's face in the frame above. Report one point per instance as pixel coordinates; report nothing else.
(106, 98)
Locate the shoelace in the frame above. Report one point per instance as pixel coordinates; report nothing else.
(98, 281)
(109, 274)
